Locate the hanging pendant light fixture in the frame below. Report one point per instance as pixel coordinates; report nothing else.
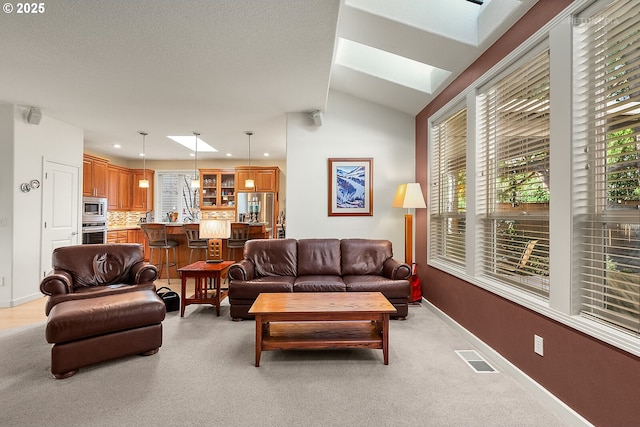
(144, 182)
(195, 182)
(248, 183)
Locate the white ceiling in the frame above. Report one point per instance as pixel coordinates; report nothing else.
(221, 67)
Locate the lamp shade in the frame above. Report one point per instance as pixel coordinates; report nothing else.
(215, 229)
(409, 196)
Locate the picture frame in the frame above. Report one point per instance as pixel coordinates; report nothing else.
(350, 187)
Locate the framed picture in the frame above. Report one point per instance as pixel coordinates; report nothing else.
(350, 187)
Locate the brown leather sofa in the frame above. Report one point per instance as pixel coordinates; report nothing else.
(102, 305)
(317, 265)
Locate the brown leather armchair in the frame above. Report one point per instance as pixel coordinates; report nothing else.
(88, 271)
(102, 306)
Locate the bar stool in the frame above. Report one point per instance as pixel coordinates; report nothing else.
(239, 236)
(194, 242)
(156, 235)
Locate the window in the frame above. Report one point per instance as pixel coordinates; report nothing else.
(607, 167)
(174, 194)
(513, 176)
(449, 181)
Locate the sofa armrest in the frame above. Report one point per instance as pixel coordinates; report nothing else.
(57, 282)
(142, 272)
(242, 270)
(396, 270)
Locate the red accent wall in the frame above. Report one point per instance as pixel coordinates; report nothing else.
(600, 382)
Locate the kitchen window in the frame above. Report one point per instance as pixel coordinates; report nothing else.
(175, 195)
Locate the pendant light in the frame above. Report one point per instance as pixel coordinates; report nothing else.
(248, 183)
(144, 182)
(195, 182)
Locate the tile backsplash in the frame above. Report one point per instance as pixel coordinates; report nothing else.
(119, 219)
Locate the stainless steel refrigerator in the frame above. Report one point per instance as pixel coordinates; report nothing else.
(257, 208)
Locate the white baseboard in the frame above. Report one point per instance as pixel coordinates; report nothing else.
(21, 300)
(547, 398)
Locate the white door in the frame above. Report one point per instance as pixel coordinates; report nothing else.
(60, 193)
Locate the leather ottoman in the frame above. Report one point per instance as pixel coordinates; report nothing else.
(88, 331)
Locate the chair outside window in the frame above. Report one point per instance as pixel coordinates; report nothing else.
(522, 262)
(239, 235)
(156, 235)
(194, 242)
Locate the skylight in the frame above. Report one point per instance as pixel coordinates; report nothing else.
(388, 66)
(190, 142)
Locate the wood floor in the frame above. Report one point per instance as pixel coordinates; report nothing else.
(33, 311)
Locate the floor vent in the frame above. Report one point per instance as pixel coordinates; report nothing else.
(476, 362)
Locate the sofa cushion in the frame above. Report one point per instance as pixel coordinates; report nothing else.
(319, 283)
(273, 257)
(364, 256)
(371, 283)
(253, 288)
(318, 256)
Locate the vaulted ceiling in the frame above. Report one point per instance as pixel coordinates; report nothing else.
(221, 67)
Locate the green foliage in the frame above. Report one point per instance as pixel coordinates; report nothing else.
(623, 167)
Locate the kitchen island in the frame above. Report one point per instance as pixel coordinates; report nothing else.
(133, 234)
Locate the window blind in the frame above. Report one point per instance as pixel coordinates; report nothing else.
(513, 177)
(174, 194)
(607, 163)
(448, 198)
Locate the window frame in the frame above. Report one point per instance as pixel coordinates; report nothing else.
(560, 306)
(437, 212)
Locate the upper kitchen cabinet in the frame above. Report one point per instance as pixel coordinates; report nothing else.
(142, 198)
(119, 188)
(94, 176)
(217, 189)
(266, 179)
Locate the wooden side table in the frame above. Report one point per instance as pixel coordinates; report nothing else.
(201, 271)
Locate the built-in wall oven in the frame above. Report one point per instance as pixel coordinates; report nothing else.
(94, 220)
(93, 233)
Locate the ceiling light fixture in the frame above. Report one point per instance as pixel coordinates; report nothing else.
(248, 183)
(144, 182)
(195, 182)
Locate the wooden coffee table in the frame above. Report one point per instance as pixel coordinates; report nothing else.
(319, 320)
(202, 271)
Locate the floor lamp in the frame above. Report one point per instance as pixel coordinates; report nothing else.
(215, 230)
(409, 196)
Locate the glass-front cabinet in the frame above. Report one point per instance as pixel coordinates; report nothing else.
(217, 189)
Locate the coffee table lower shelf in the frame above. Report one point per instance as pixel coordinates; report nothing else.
(321, 335)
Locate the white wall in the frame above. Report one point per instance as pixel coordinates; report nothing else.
(6, 196)
(51, 140)
(351, 128)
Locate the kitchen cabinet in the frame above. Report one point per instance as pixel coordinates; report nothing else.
(94, 176)
(142, 198)
(136, 235)
(217, 189)
(266, 179)
(118, 188)
(129, 235)
(117, 236)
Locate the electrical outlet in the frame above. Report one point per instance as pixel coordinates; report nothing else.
(538, 345)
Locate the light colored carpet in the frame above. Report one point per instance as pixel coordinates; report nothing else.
(204, 375)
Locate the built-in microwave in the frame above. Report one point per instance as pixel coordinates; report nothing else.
(94, 209)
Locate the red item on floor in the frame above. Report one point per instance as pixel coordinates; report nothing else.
(416, 289)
